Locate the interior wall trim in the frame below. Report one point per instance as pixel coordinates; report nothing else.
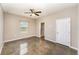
(17, 39)
(73, 48)
(38, 37)
(65, 45)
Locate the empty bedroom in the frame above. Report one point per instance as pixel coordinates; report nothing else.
(39, 28)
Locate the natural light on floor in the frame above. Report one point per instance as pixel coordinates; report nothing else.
(23, 48)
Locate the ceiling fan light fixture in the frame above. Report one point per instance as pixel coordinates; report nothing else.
(33, 14)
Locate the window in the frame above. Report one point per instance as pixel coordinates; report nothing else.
(23, 25)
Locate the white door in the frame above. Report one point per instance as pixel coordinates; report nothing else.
(63, 31)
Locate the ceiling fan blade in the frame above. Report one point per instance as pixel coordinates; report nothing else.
(27, 12)
(38, 12)
(31, 15)
(31, 10)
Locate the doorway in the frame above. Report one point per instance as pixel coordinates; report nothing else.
(42, 29)
(63, 31)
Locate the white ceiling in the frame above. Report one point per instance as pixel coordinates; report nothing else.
(46, 8)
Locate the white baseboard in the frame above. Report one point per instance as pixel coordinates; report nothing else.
(12, 40)
(52, 41)
(69, 46)
(1, 47)
(16, 39)
(73, 48)
(38, 37)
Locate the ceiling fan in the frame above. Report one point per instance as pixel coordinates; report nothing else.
(33, 12)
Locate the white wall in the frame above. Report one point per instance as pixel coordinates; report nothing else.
(78, 29)
(12, 27)
(1, 29)
(50, 24)
(49, 27)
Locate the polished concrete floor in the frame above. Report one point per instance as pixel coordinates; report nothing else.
(34, 46)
